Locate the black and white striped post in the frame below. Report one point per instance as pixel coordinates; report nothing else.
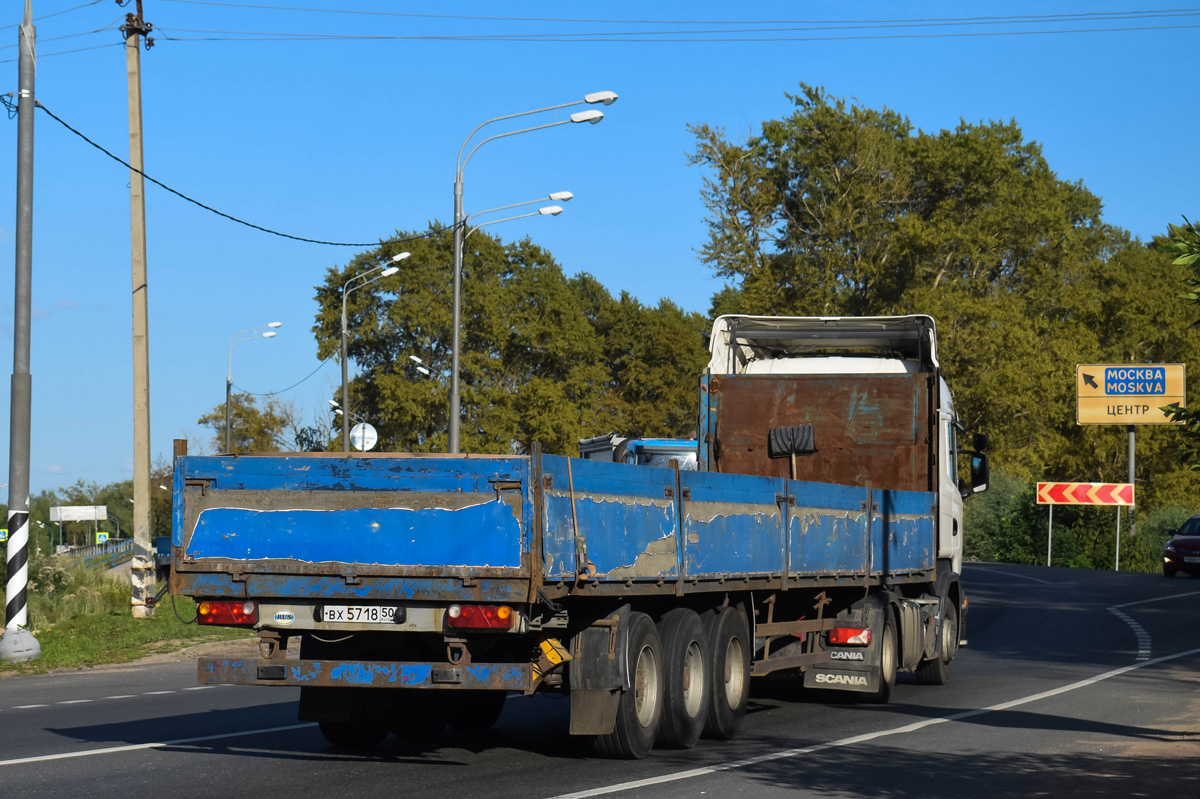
(17, 643)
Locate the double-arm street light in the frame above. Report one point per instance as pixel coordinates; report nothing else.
(591, 116)
(268, 332)
(359, 280)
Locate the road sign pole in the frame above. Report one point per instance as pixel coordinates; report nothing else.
(1132, 463)
(1117, 568)
(1049, 534)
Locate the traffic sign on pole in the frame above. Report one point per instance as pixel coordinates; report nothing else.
(1085, 494)
(1128, 394)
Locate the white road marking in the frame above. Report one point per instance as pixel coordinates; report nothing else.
(157, 693)
(1156, 599)
(200, 688)
(27, 707)
(73, 701)
(121, 696)
(1143, 637)
(919, 725)
(136, 747)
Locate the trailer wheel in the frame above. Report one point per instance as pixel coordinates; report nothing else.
(686, 682)
(888, 654)
(476, 711)
(354, 734)
(728, 637)
(640, 708)
(936, 670)
(419, 714)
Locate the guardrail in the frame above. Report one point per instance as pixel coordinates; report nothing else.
(99, 555)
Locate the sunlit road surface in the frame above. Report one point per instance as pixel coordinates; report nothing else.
(1074, 683)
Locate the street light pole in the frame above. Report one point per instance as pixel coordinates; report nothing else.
(346, 289)
(229, 374)
(592, 116)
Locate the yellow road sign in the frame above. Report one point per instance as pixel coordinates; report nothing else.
(1125, 394)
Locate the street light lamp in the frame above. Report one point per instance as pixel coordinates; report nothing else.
(549, 210)
(591, 116)
(268, 332)
(360, 280)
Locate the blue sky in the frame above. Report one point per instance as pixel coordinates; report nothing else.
(350, 139)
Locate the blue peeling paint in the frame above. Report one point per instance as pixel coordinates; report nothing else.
(394, 536)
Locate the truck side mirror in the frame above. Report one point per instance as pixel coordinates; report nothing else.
(979, 472)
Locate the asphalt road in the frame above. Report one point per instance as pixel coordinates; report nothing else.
(1074, 683)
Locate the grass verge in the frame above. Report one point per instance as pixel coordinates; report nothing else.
(82, 618)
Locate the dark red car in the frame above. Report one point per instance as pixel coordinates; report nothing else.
(1183, 550)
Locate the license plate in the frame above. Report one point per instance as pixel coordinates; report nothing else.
(1192, 559)
(369, 614)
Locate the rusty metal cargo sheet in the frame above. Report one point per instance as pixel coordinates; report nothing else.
(865, 427)
(421, 512)
(620, 517)
(732, 524)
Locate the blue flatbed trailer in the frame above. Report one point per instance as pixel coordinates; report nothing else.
(650, 595)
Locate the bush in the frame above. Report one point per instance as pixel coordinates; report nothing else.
(1005, 524)
(58, 594)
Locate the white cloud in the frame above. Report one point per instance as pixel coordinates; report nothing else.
(67, 304)
(55, 468)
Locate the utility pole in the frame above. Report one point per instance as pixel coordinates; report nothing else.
(142, 568)
(17, 643)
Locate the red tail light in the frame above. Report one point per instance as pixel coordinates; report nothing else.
(850, 636)
(480, 617)
(227, 611)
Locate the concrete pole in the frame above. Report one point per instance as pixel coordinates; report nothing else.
(142, 567)
(17, 643)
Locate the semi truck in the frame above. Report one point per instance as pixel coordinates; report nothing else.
(818, 538)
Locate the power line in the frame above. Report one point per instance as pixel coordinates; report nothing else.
(222, 213)
(411, 15)
(289, 388)
(54, 14)
(655, 37)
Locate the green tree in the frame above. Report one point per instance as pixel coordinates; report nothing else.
(838, 209)
(252, 429)
(544, 358)
(1183, 242)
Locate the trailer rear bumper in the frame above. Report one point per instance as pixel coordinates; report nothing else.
(366, 674)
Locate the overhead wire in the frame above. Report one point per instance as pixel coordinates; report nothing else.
(230, 217)
(485, 18)
(289, 388)
(53, 14)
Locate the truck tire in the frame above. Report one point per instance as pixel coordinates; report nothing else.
(728, 636)
(640, 708)
(888, 658)
(936, 670)
(354, 734)
(686, 683)
(476, 711)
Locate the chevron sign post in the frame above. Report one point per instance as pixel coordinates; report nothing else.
(1052, 494)
(1085, 494)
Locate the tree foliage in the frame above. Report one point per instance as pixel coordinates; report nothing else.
(258, 429)
(545, 357)
(1184, 243)
(838, 209)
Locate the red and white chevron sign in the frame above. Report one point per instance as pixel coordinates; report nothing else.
(1085, 493)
